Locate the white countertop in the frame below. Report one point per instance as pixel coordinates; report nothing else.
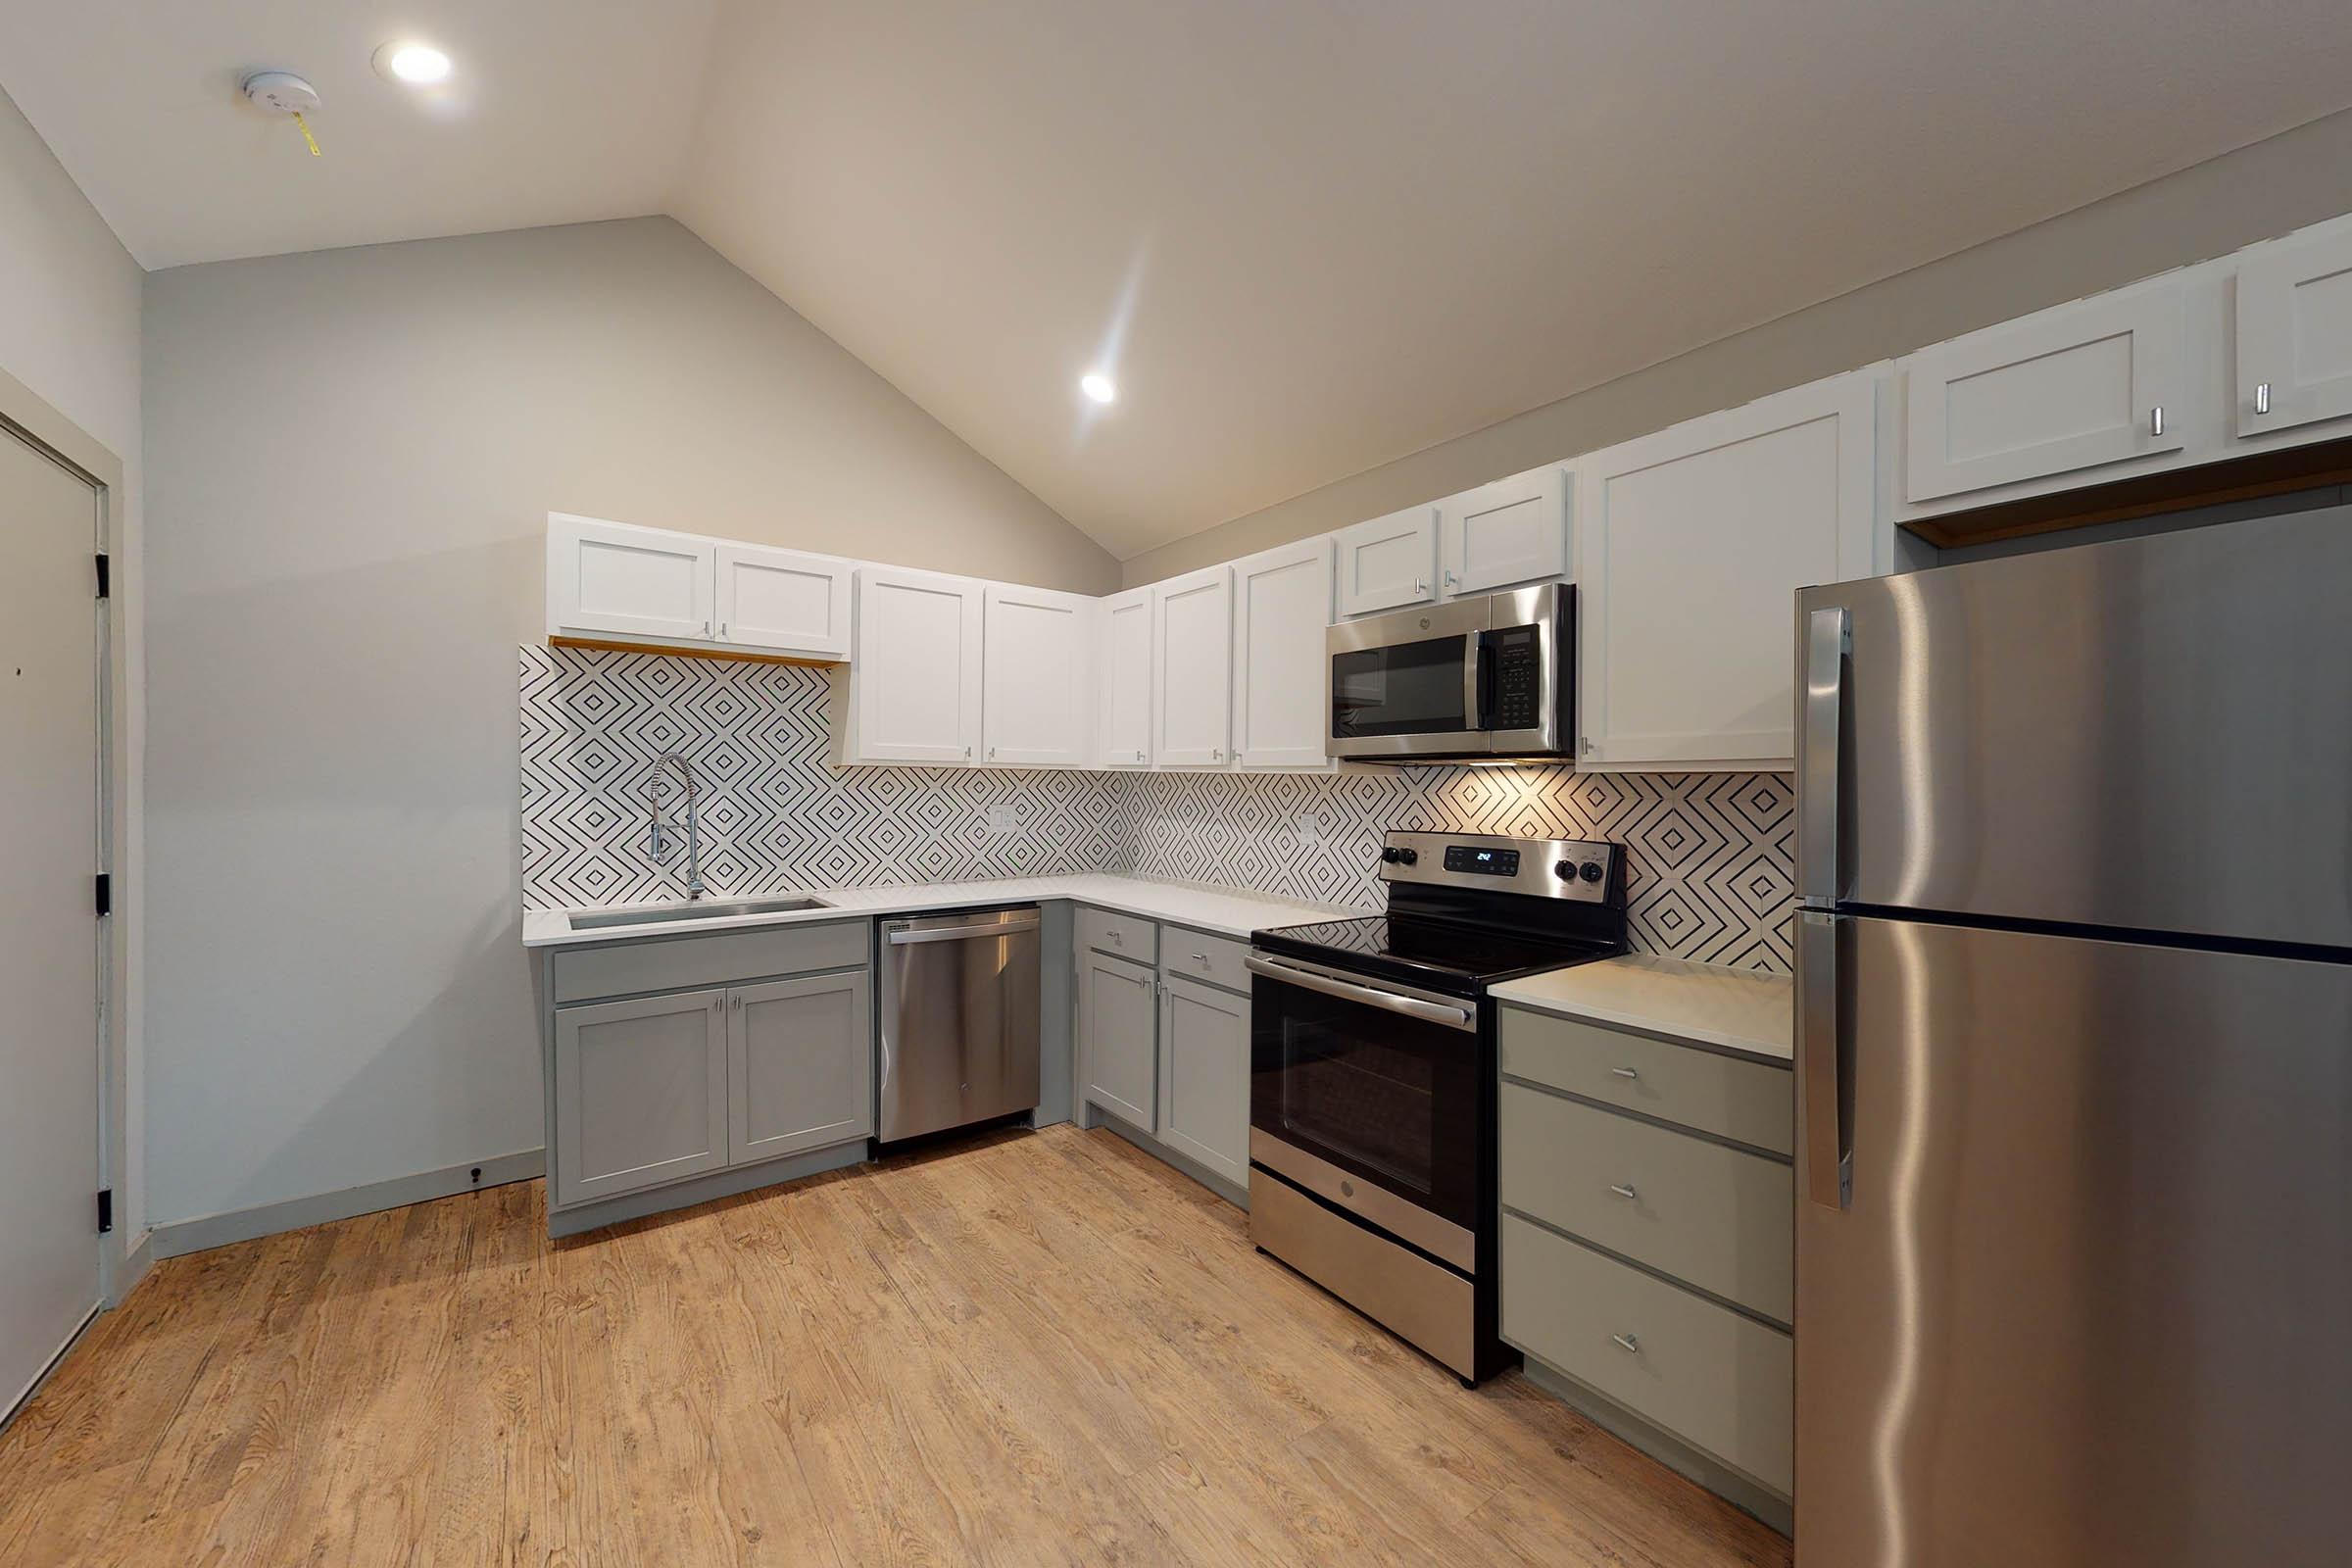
(1735, 1009)
(1227, 912)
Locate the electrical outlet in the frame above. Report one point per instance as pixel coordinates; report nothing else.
(1003, 820)
(1308, 827)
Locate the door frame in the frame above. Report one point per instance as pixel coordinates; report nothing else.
(28, 417)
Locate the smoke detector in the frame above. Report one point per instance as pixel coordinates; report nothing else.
(284, 91)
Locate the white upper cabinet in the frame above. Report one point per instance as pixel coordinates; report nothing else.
(2294, 337)
(1280, 605)
(914, 683)
(1192, 664)
(1693, 543)
(1039, 656)
(625, 582)
(2082, 387)
(1387, 563)
(1123, 678)
(784, 600)
(1514, 530)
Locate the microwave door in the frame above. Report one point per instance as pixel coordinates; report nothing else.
(1407, 684)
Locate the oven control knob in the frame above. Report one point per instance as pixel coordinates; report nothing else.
(1397, 856)
(1592, 871)
(1565, 870)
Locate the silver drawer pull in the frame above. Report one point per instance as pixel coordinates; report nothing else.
(1624, 1190)
(1625, 1343)
(2156, 420)
(1120, 937)
(1625, 1072)
(1200, 958)
(2262, 398)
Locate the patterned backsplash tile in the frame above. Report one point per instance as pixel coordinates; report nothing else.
(1709, 855)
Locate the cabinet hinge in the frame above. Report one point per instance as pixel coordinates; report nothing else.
(102, 577)
(106, 894)
(106, 1210)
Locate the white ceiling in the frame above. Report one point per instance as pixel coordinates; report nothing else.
(1308, 238)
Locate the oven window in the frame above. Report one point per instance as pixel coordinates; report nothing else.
(1372, 1105)
(1403, 689)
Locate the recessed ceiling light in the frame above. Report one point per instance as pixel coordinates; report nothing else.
(1095, 384)
(419, 65)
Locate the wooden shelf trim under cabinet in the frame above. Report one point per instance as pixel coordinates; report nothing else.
(729, 653)
(2240, 478)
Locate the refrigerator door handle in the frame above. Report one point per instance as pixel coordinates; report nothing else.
(1822, 1059)
(1828, 638)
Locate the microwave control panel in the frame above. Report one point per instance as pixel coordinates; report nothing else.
(1518, 677)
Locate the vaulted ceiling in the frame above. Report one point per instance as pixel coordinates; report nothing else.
(1305, 237)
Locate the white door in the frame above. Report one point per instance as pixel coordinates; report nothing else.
(2294, 336)
(915, 678)
(1514, 530)
(1192, 664)
(1125, 675)
(1388, 562)
(1692, 544)
(48, 935)
(784, 600)
(628, 581)
(1038, 659)
(1280, 605)
(1204, 1075)
(2080, 386)
(800, 1065)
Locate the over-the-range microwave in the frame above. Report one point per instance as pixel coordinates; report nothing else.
(1479, 678)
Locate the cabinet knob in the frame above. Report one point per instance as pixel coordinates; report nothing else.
(992, 754)
(1420, 585)
(1139, 757)
(967, 754)
(705, 628)
(2156, 421)
(1217, 753)
(2262, 398)
(1450, 578)
(722, 628)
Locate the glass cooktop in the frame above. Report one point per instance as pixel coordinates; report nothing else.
(1441, 955)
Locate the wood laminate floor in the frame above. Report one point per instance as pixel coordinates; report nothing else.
(1039, 1348)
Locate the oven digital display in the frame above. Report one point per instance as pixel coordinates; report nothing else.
(1485, 863)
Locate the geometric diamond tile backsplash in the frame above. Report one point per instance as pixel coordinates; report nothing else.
(1710, 856)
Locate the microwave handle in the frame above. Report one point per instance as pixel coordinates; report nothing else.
(1481, 692)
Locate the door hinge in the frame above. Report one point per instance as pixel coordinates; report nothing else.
(106, 894)
(106, 1210)
(102, 577)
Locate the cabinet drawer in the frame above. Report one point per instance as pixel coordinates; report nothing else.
(1197, 955)
(1699, 1211)
(1751, 1101)
(623, 969)
(1719, 1381)
(1126, 935)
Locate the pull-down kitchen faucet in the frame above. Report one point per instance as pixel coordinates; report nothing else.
(668, 763)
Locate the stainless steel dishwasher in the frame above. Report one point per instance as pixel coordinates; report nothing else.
(959, 1020)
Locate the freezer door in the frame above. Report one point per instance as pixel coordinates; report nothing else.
(2154, 734)
(2084, 1298)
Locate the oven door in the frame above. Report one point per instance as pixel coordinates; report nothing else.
(1407, 684)
(1367, 1095)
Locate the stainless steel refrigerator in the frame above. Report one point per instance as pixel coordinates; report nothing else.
(2074, 1057)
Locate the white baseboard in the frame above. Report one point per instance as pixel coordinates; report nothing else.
(244, 1224)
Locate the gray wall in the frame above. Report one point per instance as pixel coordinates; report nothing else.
(2210, 209)
(353, 455)
(70, 331)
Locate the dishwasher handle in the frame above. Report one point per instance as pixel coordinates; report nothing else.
(908, 934)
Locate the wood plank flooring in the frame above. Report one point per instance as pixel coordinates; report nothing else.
(1038, 1347)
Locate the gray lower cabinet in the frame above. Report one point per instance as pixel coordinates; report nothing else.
(1204, 1075)
(640, 1093)
(800, 1064)
(1118, 1037)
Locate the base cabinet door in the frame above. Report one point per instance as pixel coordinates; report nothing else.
(641, 1093)
(800, 1064)
(1119, 1038)
(1204, 1075)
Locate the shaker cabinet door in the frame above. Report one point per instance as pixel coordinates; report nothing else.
(1514, 530)
(801, 1061)
(641, 1093)
(1280, 605)
(1204, 1075)
(2294, 337)
(784, 600)
(1123, 675)
(1039, 677)
(917, 675)
(624, 581)
(1192, 668)
(1119, 1038)
(1387, 563)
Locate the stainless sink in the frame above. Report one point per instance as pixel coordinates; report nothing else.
(717, 910)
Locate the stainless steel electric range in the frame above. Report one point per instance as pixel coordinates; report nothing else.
(1373, 1081)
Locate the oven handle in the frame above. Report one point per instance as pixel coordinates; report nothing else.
(1438, 1012)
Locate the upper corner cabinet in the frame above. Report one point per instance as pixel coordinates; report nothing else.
(2295, 338)
(1192, 664)
(2013, 410)
(1387, 563)
(1039, 664)
(1511, 531)
(786, 601)
(914, 680)
(624, 581)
